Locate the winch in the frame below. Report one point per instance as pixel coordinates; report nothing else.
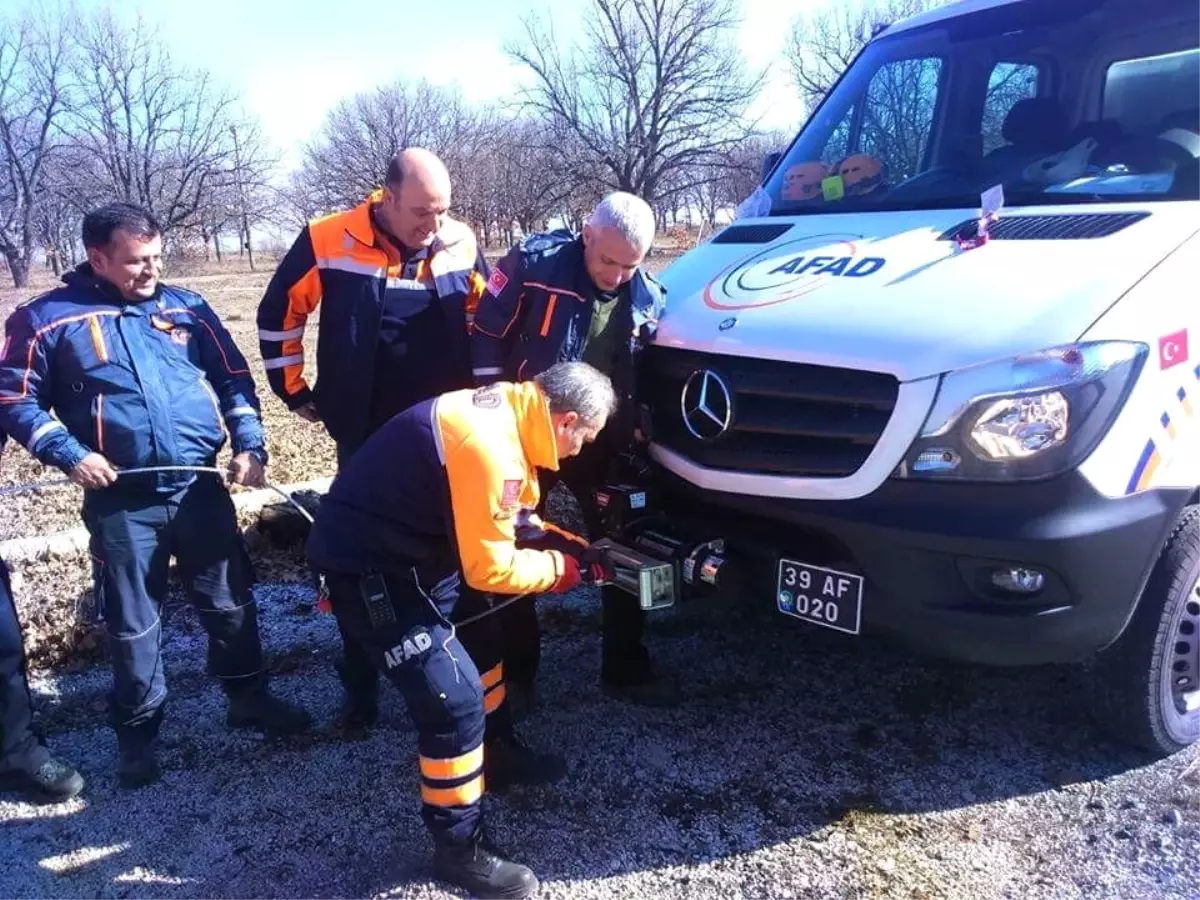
(646, 559)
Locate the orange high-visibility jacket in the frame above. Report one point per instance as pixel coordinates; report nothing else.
(443, 487)
(339, 263)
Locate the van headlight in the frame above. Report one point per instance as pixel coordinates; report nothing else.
(1025, 418)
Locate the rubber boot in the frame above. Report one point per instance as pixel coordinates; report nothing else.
(138, 765)
(630, 677)
(256, 707)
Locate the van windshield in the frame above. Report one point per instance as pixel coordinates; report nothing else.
(1059, 101)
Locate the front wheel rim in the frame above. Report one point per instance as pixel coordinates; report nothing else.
(1181, 663)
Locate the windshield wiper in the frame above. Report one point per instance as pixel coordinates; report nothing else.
(1041, 198)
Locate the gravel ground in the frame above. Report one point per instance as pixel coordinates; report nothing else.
(798, 767)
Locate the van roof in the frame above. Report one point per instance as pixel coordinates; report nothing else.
(949, 11)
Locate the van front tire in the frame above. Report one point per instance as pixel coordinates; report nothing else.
(1140, 685)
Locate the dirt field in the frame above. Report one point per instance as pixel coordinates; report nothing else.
(799, 766)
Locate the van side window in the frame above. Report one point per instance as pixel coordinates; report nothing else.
(898, 117)
(1149, 95)
(1009, 83)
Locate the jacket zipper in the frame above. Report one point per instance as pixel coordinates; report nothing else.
(550, 304)
(216, 406)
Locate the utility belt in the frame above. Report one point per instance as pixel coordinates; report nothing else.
(380, 592)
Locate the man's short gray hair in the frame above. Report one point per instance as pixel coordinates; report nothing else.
(628, 214)
(579, 388)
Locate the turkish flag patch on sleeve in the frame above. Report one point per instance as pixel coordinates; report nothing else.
(496, 283)
(1173, 349)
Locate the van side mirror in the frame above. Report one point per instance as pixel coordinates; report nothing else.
(768, 164)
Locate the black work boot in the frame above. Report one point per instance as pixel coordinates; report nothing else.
(630, 677)
(359, 710)
(507, 761)
(138, 765)
(42, 777)
(656, 690)
(478, 869)
(256, 707)
(521, 698)
(360, 699)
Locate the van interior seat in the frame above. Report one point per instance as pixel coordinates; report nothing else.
(1034, 127)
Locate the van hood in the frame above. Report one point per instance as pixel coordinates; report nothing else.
(883, 291)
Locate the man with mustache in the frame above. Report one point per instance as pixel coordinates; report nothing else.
(564, 296)
(140, 374)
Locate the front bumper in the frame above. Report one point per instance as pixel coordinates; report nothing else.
(926, 551)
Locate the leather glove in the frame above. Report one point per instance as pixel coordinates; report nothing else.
(596, 569)
(570, 578)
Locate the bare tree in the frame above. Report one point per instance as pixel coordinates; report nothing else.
(656, 86)
(249, 184)
(34, 58)
(530, 174)
(304, 197)
(722, 184)
(58, 213)
(348, 158)
(157, 135)
(822, 44)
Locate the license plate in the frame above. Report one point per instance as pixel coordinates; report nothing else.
(821, 596)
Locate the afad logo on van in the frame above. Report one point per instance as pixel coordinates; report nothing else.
(790, 270)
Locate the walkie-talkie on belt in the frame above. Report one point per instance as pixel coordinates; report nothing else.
(377, 600)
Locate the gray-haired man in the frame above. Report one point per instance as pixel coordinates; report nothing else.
(565, 296)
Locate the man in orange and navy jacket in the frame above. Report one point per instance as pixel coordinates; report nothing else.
(397, 281)
(420, 525)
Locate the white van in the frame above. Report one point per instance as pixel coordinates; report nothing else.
(981, 440)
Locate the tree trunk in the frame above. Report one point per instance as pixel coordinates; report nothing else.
(20, 271)
(55, 262)
(248, 246)
(217, 243)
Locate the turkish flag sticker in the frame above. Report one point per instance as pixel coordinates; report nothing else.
(1173, 349)
(497, 281)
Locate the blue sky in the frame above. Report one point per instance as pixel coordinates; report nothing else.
(292, 61)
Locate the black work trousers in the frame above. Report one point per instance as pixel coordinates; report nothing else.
(624, 658)
(134, 535)
(18, 743)
(452, 679)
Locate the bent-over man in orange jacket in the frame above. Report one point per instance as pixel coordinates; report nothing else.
(421, 525)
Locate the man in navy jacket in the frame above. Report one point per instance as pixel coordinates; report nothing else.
(115, 371)
(558, 297)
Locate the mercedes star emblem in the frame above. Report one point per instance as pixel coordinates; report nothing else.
(706, 404)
